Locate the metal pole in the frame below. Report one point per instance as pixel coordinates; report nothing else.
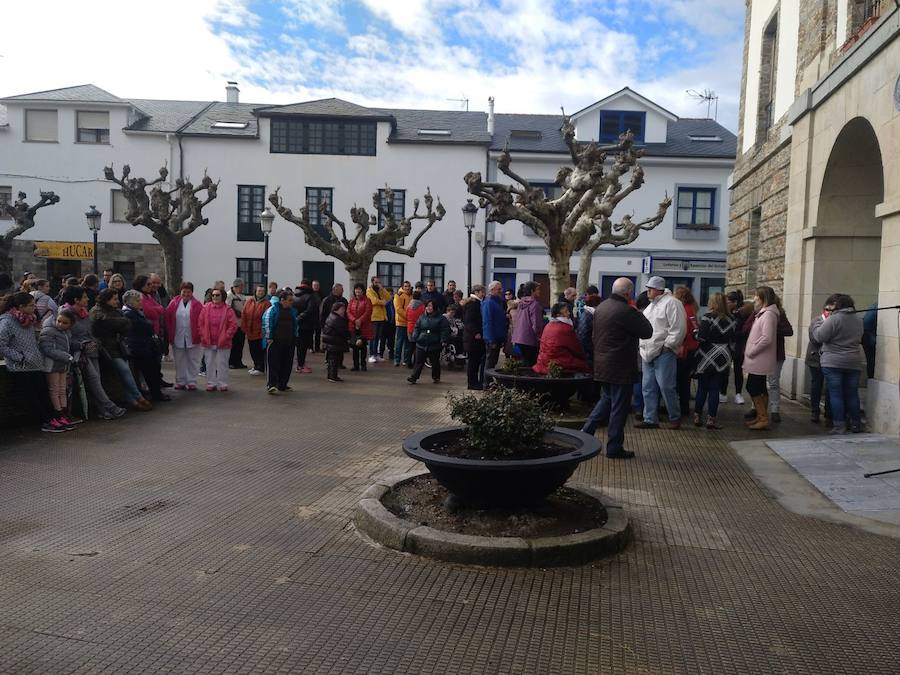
(469, 230)
(96, 270)
(266, 265)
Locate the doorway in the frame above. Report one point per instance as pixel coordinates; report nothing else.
(544, 281)
(321, 271)
(57, 269)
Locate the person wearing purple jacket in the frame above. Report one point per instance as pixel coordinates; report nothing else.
(529, 324)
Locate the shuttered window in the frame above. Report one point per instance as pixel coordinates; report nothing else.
(41, 125)
(93, 127)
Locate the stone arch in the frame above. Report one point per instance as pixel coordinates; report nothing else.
(847, 233)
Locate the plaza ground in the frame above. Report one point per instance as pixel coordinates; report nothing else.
(215, 535)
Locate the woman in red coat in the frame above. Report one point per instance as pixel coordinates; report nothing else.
(359, 318)
(560, 344)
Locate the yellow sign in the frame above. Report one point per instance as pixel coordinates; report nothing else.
(64, 250)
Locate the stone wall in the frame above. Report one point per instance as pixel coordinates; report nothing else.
(146, 258)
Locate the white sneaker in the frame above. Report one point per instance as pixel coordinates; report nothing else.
(739, 399)
(254, 371)
(372, 359)
(723, 398)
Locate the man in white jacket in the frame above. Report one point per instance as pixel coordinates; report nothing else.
(659, 354)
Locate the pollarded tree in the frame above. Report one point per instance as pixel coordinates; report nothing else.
(169, 214)
(23, 219)
(582, 214)
(358, 251)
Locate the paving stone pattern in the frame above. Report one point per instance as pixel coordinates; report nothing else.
(214, 535)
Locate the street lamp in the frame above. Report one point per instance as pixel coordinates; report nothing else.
(266, 219)
(469, 213)
(93, 220)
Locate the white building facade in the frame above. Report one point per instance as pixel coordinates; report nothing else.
(60, 140)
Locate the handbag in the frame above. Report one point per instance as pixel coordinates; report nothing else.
(91, 349)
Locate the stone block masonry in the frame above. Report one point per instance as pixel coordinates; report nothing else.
(145, 257)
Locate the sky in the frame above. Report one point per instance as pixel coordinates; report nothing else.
(532, 56)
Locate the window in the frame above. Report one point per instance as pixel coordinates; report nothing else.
(433, 271)
(93, 127)
(322, 137)
(551, 190)
(314, 197)
(506, 263)
(696, 207)
(5, 198)
(321, 271)
(765, 116)
(391, 274)
(607, 281)
(40, 126)
(251, 202)
(613, 123)
(709, 286)
(126, 269)
(118, 207)
(397, 209)
(251, 271)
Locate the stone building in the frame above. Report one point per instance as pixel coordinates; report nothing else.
(815, 205)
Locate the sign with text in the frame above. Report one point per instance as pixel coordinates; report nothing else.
(63, 250)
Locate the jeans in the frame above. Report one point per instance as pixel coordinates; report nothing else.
(843, 388)
(146, 366)
(493, 354)
(708, 386)
(816, 389)
(773, 382)
(612, 408)
(637, 397)
(90, 372)
(402, 346)
(132, 393)
(376, 346)
(737, 355)
(659, 376)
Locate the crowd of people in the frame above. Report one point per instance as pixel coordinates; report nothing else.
(644, 353)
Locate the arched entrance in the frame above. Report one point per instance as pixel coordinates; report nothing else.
(847, 235)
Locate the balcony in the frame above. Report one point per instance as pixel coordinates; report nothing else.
(865, 15)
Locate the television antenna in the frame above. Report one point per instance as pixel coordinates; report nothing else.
(707, 95)
(462, 101)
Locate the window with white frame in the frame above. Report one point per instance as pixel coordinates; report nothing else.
(41, 126)
(397, 209)
(433, 271)
(118, 207)
(93, 127)
(5, 198)
(696, 207)
(314, 197)
(391, 274)
(251, 202)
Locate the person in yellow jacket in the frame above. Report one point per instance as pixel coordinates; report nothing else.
(379, 297)
(402, 346)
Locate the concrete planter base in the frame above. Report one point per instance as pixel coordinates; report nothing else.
(373, 519)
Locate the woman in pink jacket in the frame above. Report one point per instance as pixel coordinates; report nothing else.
(760, 355)
(217, 326)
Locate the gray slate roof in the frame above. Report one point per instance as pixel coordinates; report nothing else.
(678, 143)
(88, 93)
(330, 107)
(202, 123)
(165, 116)
(464, 127)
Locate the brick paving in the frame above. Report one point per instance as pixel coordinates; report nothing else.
(214, 536)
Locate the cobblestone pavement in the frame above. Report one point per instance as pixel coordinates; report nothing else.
(214, 535)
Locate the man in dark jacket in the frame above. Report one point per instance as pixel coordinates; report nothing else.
(432, 294)
(617, 329)
(473, 338)
(308, 314)
(493, 319)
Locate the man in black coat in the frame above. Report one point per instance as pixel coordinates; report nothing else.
(432, 294)
(473, 338)
(307, 306)
(617, 328)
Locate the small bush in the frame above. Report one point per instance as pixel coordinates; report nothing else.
(510, 366)
(555, 370)
(501, 421)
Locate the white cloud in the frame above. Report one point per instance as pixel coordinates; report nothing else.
(320, 13)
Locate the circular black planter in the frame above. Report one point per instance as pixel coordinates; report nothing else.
(503, 482)
(558, 390)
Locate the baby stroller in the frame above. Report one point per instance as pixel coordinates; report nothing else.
(453, 354)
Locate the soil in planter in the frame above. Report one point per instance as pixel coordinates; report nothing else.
(421, 500)
(458, 446)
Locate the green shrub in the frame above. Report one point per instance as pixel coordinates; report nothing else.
(510, 366)
(500, 421)
(555, 370)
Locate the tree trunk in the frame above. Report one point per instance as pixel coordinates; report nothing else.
(359, 274)
(6, 255)
(558, 272)
(585, 261)
(173, 261)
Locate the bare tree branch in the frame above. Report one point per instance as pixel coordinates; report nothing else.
(23, 214)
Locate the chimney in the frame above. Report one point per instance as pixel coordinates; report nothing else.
(231, 92)
(490, 128)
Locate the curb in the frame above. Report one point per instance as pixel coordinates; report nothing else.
(373, 519)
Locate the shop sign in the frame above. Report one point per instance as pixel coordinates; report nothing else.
(64, 250)
(716, 266)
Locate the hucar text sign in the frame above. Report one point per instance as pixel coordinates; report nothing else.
(65, 250)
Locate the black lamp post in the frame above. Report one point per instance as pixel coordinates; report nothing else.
(266, 219)
(93, 220)
(469, 213)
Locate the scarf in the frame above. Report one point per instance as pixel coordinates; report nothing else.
(23, 318)
(81, 312)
